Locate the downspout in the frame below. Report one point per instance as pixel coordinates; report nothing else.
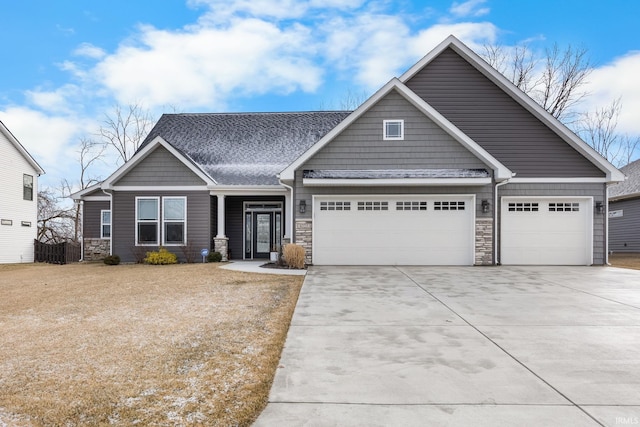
(496, 228)
(291, 205)
(111, 210)
(606, 224)
(81, 203)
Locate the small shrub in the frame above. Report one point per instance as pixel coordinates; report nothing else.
(139, 253)
(112, 260)
(161, 257)
(294, 255)
(214, 257)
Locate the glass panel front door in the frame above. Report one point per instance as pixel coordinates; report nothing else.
(263, 236)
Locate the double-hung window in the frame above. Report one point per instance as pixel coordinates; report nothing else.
(105, 224)
(147, 220)
(27, 187)
(174, 218)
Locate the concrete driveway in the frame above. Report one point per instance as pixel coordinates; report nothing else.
(415, 346)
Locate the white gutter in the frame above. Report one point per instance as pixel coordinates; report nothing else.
(81, 204)
(496, 231)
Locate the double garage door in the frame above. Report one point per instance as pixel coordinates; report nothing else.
(440, 230)
(546, 231)
(393, 230)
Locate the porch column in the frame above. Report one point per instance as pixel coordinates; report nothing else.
(221, 230)
(221, 242)
(288, 213)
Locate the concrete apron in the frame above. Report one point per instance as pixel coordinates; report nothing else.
(415, 346)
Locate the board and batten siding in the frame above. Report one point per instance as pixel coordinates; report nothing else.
(162, 168)
(425, 144)
(124, 222)
(92, 219)
(16, 239)
(597, 191)
(496, 121)
(624, 230)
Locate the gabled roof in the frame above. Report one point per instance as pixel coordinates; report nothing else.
(501, 172)
(143, 152)
(7, 133)
(612, 174)
(244, 148)
(629, 188)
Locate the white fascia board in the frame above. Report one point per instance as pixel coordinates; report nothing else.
(142, 154)
(23, 151)
(386, 182)
(96, 198)
(143, 188)
(624, 197)
(612, 174)
(249, 190)
(558, 180)
(81, 193)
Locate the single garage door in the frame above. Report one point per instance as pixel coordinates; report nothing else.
(393, 230)
(544, 231)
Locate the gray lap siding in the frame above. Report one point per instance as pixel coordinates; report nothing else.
(124, 223)
(595, 190)
(91, 219)
(624, 231)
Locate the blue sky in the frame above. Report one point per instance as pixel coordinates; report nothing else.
(66, 63)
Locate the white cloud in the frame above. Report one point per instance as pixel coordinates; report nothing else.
(469, 8)
(90, 51)
(618, 79)
(203, 66)
(47, 138)
(55, 100)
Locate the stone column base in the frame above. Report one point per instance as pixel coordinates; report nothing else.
(96, 249)
(484, 241)
(304, 238)
(221, 244)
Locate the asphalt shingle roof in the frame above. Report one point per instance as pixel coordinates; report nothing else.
(632, 184)
(244, 148)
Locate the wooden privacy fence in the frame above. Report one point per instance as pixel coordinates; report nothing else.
(56, 253)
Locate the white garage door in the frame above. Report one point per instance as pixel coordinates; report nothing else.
(546, 231)
(393, 230)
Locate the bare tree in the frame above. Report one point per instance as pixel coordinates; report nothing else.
(89, 153)
(557, 84)
(55, 223)
(125, 129)
(517, 64)
(598, 129)
(560, 86)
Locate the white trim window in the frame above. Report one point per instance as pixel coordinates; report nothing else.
(27, 187)
(174, 220)
(105, 224)
(147, 221)
(393, 130)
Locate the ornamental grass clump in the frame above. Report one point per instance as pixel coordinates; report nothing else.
(161, 257)
(293, 256)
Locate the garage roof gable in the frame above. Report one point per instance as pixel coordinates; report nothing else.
(501, 172)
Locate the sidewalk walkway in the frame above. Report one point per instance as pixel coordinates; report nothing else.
(254, 267)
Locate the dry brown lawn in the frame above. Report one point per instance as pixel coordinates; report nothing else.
(630, 260)
(90, 344)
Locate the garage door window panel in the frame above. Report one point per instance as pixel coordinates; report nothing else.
(448, 205)
(335, 206)
(373, 206)
(411, 206)
(564, 207)
(523, 207)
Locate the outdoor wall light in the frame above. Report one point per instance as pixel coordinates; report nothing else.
(599, 207)
(485, 206)
(302, 208)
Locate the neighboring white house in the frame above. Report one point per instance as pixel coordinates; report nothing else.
(19, 174)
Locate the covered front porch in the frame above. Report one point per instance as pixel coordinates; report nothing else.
(248, 226)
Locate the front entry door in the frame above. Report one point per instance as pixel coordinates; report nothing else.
(262, 234)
